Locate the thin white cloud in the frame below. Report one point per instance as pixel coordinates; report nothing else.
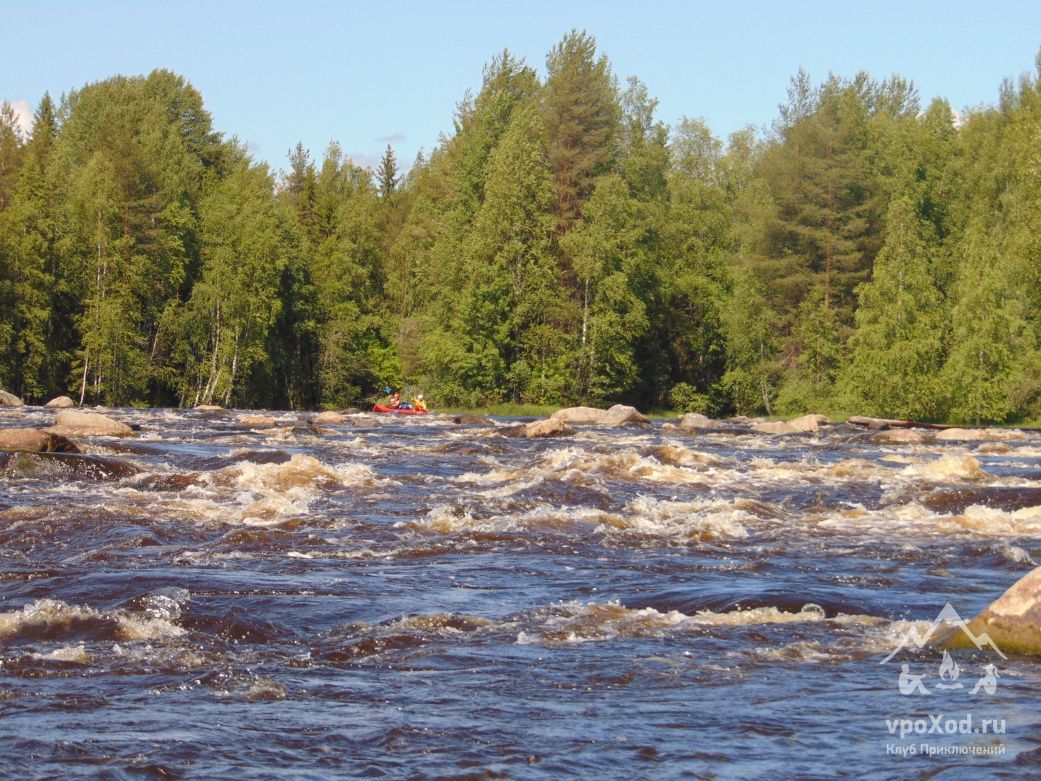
(24, 116)
(394, 138)
(372, 162)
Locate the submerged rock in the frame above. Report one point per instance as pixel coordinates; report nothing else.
(9, 400)
(472, 420)
(1006, 498)
(548, 428)
(61, 402)
(63, 466)
(1013, 621)
(540, 428)
(88, 424)
(33, 440)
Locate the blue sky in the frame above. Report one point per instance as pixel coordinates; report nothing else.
(366, 74)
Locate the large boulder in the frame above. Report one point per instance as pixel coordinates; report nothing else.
(808, 422)
(805, 424)
(61, 402)
(1012, 622)
(9, 400)
(69, 423)
(580, 416)
(621, 415)
(33, 440)
(901, 436)
(693, 421)
(256, 422)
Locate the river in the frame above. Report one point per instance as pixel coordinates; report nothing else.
(420, 599)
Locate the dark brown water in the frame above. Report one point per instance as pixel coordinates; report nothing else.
(417, 599)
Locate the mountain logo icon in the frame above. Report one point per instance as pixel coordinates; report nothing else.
(948, 622)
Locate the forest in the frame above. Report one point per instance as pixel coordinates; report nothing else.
(865, 254)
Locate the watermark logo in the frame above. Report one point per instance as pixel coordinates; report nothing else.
(946, 677)
(947, 624)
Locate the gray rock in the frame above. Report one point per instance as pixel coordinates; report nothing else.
(33, 440)
(331, 418)
(580, 416)
(548, 428)
(61, 402)
(63, 466)
(901, 436)
(694, 421)
(256, 422)
(1013, 621)
(622, 415)
(88, 424)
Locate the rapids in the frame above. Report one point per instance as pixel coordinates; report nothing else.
(409, 598)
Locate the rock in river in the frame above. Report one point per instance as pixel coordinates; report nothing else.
(901, 436)
(579, 416)
(61, 402)
(256, 422)
(807, 423)
(88, 424)
(618, 415)
(63, 466)
(33, 440)
(540, 428)
(1013, 621)
(9, 400)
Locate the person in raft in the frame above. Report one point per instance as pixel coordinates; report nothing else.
(419, 404)
(393, 400)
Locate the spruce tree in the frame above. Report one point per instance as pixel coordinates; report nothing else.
(387, 174)
(897, 350)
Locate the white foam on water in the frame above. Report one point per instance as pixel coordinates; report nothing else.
(76, 654)
(573, 622)
(947, 468)
(54, 614)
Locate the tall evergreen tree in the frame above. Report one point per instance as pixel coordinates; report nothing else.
(897, 350)
(582, 116)
(387, 174)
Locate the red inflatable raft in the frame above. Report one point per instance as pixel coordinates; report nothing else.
(399, 411)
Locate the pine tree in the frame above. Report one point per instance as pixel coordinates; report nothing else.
(387, 174)
(582, 116)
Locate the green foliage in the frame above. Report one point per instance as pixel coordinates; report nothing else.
(684, 398)
(897, 350)
(560, 245)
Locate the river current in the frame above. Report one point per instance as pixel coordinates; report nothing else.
(421, 599)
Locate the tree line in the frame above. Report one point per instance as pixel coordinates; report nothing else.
(561, 245)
